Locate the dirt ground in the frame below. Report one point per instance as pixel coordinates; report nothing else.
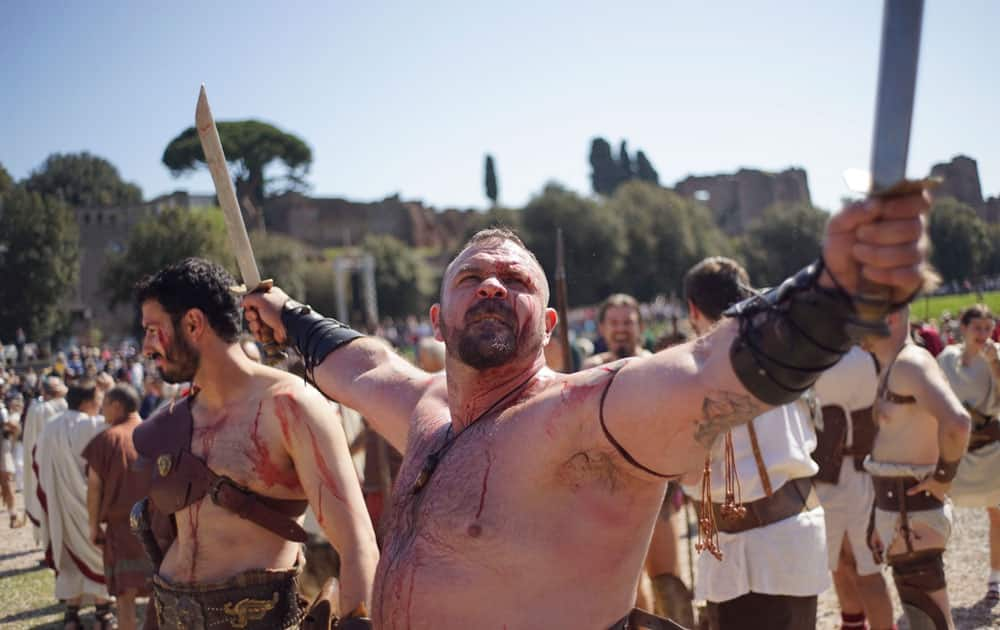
(26, 588)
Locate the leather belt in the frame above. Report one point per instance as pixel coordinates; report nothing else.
(890, 495)
(790, 499)
(983, 435)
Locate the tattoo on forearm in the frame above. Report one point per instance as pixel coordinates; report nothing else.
(721, 411)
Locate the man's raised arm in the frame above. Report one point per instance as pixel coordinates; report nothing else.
(667, 410)
(365, 374)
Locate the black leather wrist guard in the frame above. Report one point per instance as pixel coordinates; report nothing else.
(353, 623)
(313, 335)
(945, 471)
(791, 334)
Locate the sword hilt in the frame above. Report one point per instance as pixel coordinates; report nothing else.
(873, 301)
(274, 352)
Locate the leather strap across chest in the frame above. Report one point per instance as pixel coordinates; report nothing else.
(884, 393)
(180, 478)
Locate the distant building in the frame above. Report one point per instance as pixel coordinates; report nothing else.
(106, 230)
(739, 199)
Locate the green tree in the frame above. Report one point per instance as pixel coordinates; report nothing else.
(83, 180)
(6, 182)
(603, 168)
(593, 235)
(961, 245)
(625, 169)
(644, 169)
(39, 256)
(281, 258)
(491, 180)
(786, 238)
(251, 147)
(321, 287)
(163, 239)
(496, 216)
(666, 235)
(402, 278)
(991, 266)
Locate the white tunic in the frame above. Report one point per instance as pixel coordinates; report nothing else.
(784, 558)
(851, 385)
(39, 414)
(65, 528)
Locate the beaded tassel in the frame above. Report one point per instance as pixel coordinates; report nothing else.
(732, 506)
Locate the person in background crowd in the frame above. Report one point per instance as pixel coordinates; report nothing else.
(10, 419)
(846, 394)
(973, 370)
(922, 432)
(51, 404)
(755, 585)
(153, 396)
(62, 488)
(113, 487)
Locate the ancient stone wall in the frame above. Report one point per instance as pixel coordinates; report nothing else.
(739, 199)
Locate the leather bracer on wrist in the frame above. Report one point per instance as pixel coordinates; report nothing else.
(312, 335)
(790, 335)
(945, 471)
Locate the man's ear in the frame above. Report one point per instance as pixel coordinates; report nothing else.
(551, 319)
(435, 321)
(194, 323)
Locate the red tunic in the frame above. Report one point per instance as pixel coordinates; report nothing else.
(111, 455)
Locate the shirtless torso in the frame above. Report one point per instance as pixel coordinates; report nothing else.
(242, 441)
(523, 505)
(907, 431)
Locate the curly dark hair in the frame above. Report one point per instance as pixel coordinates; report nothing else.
(195, 283)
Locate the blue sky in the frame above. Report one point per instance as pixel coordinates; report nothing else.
(407, 97)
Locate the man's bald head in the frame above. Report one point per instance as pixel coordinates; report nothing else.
(53, 387)
(491, 237)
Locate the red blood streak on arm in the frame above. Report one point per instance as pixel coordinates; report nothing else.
(326, 477)
(285, 409)
(268, 472)
(486, 479)
(576, 393)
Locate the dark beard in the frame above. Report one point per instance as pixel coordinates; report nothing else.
(623, 352)
(181, 360)
(486, 343)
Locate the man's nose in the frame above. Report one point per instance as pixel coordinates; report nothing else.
(492, 288)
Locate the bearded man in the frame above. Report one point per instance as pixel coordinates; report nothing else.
(527, 498)
(235, 464)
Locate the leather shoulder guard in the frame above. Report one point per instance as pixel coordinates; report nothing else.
(166, 431)
(163, 441)
(791, 334)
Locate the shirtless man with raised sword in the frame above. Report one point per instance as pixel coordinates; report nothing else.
(527, 498)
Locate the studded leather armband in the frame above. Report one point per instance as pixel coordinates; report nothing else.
(791, 334)
(313, 335)
(946, 471)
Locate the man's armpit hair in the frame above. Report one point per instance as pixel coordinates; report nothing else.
(721, 411)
